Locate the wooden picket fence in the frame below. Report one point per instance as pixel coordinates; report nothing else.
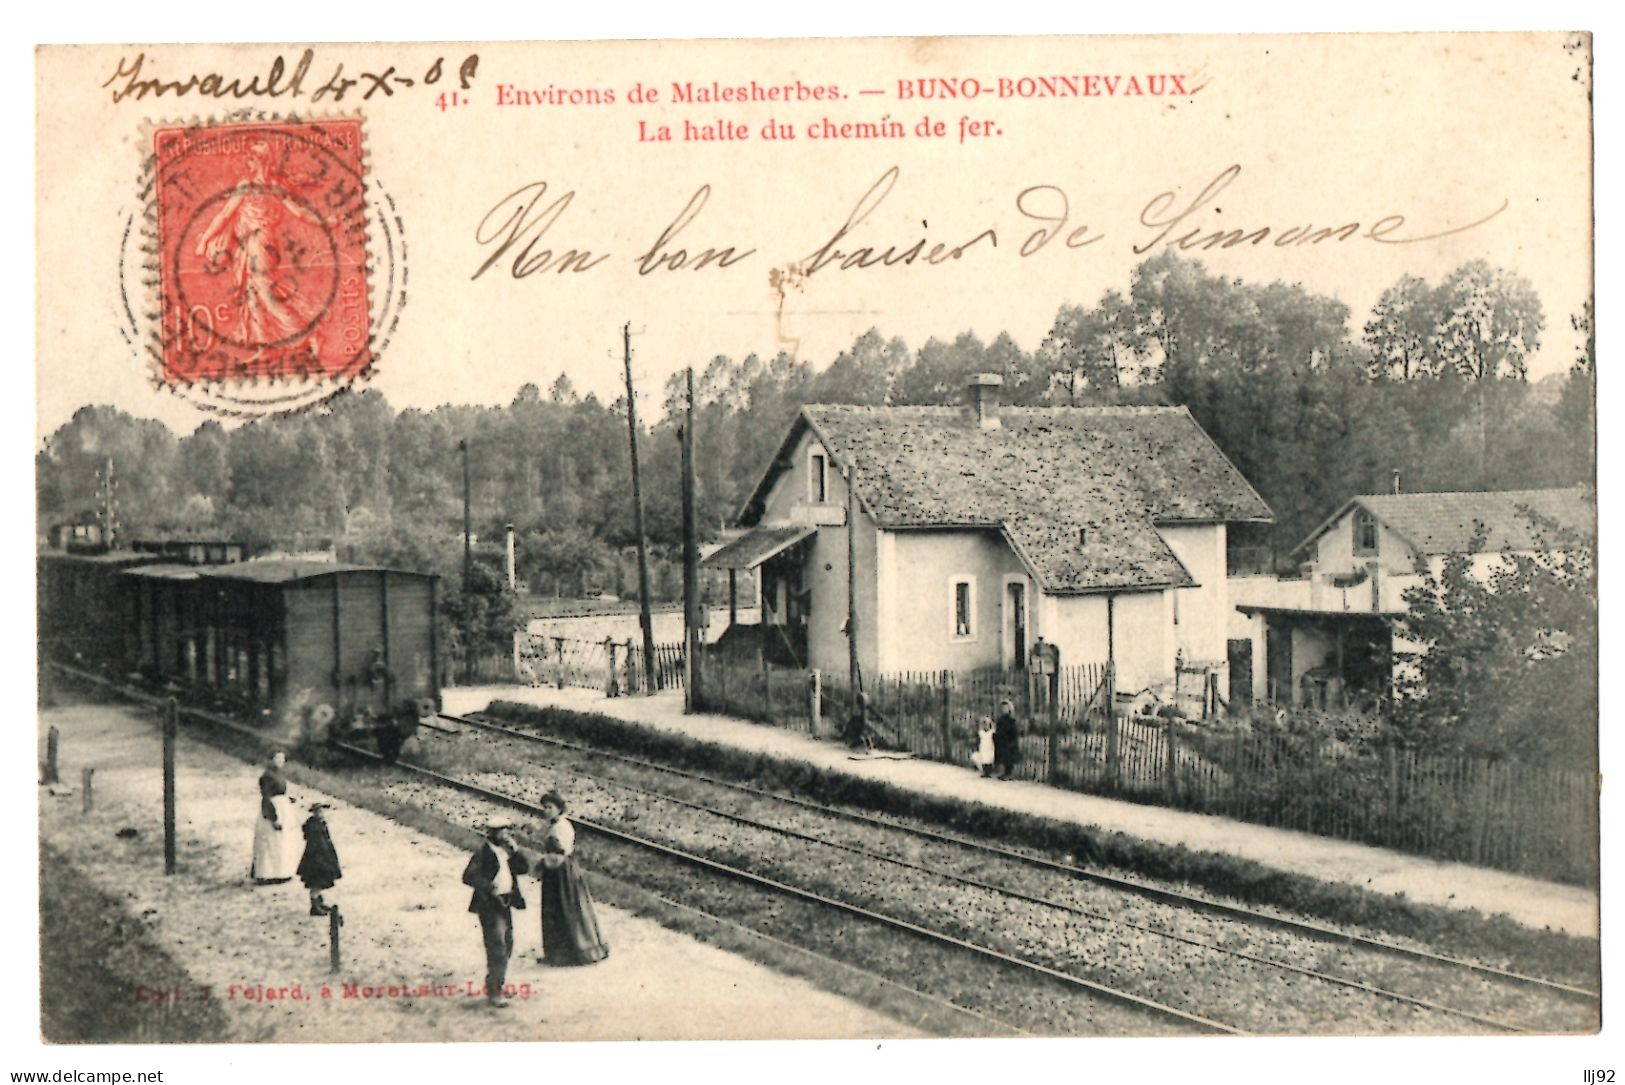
(573, 662)
(1526, 818)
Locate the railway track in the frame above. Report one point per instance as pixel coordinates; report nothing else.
(969, 982)
(1539, 1004)
(996, 992)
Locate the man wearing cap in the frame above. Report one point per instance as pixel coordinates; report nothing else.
(493, 873)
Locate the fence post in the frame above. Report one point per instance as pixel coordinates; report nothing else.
(171, 724)
(767, 689)
(1114, 737)
(1391, 762)
(1052, 751)
(1171, 783)
(629, 681)
(88, 778)
(558, 644)
(1309, 806)
(945, 721)
(335, 959)
(53, 739)
(815, 703)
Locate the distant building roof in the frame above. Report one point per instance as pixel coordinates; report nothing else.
(103, 557)
(1447, 522)
(279, 571)
(165, 572)
(1077, 491)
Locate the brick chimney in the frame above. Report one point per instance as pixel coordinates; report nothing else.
(1396, 480)
(984, 399)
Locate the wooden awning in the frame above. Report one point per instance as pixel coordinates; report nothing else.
(757, 545)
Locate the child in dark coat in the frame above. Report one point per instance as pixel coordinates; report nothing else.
(1006, 740)
(319, 868)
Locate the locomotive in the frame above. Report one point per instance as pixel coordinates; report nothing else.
(315, 650)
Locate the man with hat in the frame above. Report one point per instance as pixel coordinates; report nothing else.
(493, 872)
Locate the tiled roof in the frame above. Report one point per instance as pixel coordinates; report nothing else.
(1445, 523)
(1040, 477)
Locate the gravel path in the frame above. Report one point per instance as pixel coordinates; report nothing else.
(407, 924)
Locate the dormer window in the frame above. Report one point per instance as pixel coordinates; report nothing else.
(1365, 532)
(817, 478)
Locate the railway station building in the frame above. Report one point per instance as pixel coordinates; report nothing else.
(977, 531)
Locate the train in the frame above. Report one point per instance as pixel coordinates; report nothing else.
(314, 650)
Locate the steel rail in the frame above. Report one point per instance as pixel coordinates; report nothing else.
(1303, 927)
(785, 889)
(1049, 902)
(703, 863)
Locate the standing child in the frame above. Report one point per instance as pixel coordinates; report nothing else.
(319, 869)
(983, 757)
(1006, 740)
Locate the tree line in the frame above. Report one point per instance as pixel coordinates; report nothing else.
(1435, 386)
(1309, 408)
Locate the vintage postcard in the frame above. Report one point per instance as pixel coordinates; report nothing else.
(882, 540)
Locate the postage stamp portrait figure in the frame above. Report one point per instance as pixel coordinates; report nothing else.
(262, 239)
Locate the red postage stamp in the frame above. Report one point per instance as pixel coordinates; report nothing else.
(262, 245)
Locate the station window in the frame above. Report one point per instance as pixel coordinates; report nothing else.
(962, 608)
(1365, 533)
(817, 478)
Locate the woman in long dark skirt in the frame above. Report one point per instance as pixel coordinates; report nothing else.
(570, 934)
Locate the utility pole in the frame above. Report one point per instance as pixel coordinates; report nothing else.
(691, 563)
(854, 676)
(468, 570)
(109, 511)
(637, 516)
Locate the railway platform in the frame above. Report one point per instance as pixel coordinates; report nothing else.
(1528, 901)
(411, 953)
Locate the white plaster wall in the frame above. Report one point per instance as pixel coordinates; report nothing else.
(1143, 639)
(919, 630)
(1204, 611)
(1334, 551)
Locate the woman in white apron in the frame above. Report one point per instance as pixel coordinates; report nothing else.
(276, 845)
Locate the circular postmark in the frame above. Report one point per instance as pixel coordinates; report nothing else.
(270, 265)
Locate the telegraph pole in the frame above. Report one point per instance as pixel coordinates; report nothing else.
(854, 676)
(468, 569)
(637, 516)
(109, 509)
(691, 562)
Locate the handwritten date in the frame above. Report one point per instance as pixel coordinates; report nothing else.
(133, 79)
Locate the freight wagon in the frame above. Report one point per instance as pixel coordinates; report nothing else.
(318, 649)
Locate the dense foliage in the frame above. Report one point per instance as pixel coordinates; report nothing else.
(1505, 659)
